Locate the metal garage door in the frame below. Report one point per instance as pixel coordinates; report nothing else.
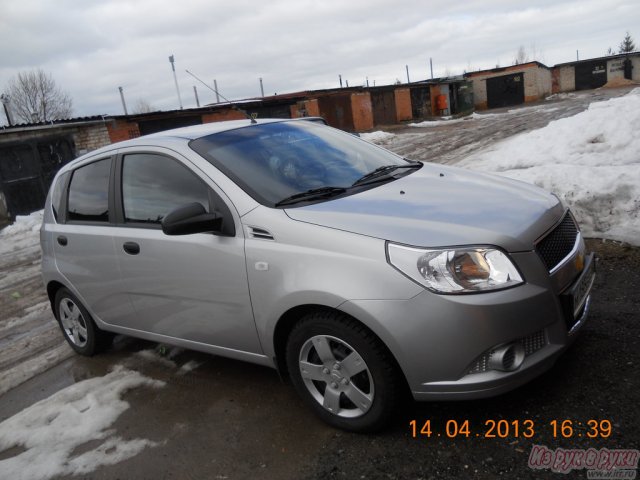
(591, 75)
(384, 107)
(505, 90)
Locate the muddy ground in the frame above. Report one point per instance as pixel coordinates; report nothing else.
(232, 420)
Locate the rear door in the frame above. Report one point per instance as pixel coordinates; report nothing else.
(82, 241)
(191, 287)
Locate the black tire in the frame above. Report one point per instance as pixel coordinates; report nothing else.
(78, 328)
(328, 385)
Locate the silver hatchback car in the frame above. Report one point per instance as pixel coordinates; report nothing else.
(357, 273)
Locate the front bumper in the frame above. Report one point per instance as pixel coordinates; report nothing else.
(439, 339)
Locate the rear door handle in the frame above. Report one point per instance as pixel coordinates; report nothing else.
(132, 248)
(62, 240)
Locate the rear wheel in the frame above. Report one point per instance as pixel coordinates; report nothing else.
(77, 326)
(343, 372)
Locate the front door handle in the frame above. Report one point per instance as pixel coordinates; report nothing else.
(132, 248)
(62, 240)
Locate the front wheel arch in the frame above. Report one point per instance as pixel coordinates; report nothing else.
(344, 372)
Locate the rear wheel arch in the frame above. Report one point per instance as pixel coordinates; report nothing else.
(52, 290)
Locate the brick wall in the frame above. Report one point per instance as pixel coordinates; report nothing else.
(566, 78)
(223, 115)
(305, 108)
(91, 137)
(403, 104)
(120, 130)
(362, 111)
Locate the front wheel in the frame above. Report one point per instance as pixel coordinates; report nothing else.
(343, 372)
(77, 326)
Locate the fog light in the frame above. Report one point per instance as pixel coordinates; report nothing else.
(507, 358)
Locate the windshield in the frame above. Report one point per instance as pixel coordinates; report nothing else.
(274, 161)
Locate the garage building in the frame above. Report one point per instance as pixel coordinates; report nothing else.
(508, 86)
(595, 72)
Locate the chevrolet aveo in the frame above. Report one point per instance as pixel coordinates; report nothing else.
(359, 274)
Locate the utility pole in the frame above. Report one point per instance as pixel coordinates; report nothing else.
(407, 68)
(431, 65)
(195, 92)
(340, 77)
(577, 56)
(261, 87)
(7, 108)
(175, 79)
(367, 81)
(124, 105)
(215, 87)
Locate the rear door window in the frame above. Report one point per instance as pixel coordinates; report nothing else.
(89, 193)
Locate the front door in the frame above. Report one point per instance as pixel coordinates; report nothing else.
(192, 287)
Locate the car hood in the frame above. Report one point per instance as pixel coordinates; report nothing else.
(443, 206)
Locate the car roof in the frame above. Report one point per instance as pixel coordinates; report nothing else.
(184, 134)
(197, 131)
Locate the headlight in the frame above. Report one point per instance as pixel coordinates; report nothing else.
(459, 270)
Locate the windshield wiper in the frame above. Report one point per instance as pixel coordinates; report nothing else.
(383, 172)
(321, 192)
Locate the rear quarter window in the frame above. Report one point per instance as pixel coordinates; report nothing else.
(57, 195)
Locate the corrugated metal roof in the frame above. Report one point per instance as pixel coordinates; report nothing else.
(587, 60)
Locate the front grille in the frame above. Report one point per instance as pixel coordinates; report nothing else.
(531, 343)
(555, 247)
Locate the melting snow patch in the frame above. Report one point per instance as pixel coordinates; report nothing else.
(591, 161)
(152, 355)
(189, 366)
(25, 232)
(49, 432)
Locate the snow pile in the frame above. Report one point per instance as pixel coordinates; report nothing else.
(591, 161)
(24, 233)
(377, 137)
(52, 430)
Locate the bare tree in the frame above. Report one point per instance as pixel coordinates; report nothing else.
(521, 56)
(627, 45)
(142, 106)
(35, 97)
(610, 52)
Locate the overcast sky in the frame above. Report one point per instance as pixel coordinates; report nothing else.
(94, 46)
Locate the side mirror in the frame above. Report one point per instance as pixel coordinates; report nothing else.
(191, 218)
